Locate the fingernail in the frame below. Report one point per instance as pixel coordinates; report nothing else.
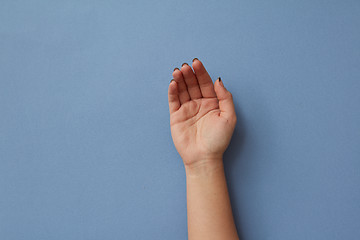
(184, 64)
(195, 59)
(175, 69)
(172, 80)
(221, 83)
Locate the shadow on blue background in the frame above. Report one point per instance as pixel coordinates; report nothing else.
(85, 144)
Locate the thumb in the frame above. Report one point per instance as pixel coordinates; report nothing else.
(225, 98)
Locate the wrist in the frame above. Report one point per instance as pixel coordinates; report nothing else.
(204, 166)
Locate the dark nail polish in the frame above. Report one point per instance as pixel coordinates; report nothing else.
(219, 79)
(184, 64)
(172, 80)
(195, 59)
(175, 69)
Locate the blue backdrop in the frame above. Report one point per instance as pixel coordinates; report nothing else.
(85, 144)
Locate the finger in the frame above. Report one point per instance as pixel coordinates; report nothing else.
(226, 103)
(173, 95)
(183, 92)
(205, 82)
(191, 81)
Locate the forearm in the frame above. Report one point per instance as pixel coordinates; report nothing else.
(208, 204)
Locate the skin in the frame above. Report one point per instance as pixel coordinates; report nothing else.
(202, 121)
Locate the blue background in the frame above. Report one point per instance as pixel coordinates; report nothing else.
(85, 144)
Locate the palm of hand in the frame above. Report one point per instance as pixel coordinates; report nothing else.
(200, 128)
(197, 129)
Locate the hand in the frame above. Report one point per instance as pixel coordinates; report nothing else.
(202, 115)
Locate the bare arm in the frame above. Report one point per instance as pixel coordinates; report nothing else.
(202, 120)
(208, 204)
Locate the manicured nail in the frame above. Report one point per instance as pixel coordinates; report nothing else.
(195, 59)
(175, 69)
(184, 64)
(220, 82)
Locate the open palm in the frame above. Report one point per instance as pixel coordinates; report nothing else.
(202, 115)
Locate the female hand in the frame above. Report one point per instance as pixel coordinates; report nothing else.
(202, 115)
